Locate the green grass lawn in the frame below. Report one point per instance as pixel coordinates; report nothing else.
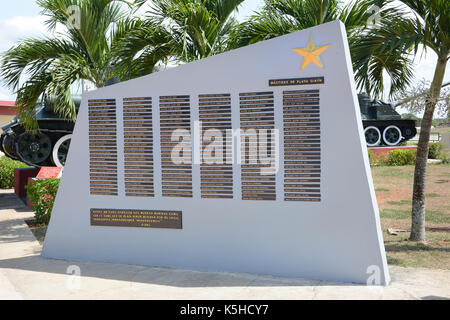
(393, 186)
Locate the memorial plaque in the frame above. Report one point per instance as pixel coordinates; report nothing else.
(293, 107)
(180, 169)
(296, 82)
(252, 160)
(217, 168)
(138, 142)
(257, 131)
(102, 140)
(137, 218)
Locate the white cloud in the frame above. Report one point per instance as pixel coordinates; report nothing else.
(21, 27)
(15, 29)
(426, 64)
(4, 96)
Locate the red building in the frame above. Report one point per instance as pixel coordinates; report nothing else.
(7, 111)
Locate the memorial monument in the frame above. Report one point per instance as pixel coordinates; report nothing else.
(253, 160)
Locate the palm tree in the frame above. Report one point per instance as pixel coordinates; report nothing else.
(83, 50)
(428, 26)
(279, 17)
(178, 31)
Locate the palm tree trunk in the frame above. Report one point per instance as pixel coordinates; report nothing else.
(418, 201)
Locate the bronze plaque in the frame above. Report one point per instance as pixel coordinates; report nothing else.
(215, 112)
(137, 218)
(102, 139)
(257, 113)
(138, 147)
(174, 114)
(301, 109)
(296, 81)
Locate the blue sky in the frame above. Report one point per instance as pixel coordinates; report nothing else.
(21, 19)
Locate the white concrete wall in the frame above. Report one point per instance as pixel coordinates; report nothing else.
(337, 239)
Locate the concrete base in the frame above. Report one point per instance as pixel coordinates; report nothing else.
(25, 275)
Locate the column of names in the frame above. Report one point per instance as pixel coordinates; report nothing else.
(302, 151)
(103, 147)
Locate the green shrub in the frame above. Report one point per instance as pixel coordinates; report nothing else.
(435, 150)
(375, 159)
(402, 157)
(7, 167)
(370, 156)
(444, 158)
(42, 193)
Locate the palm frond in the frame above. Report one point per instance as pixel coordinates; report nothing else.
(83, 50)
(30, 57)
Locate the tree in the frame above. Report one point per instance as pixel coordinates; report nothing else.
(429, 26)
(186, 30)
(423, 23)
(279, 17)
(414, 98)
(411, 116)
(83, 50)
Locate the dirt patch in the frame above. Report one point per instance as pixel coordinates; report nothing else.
(394, 188)
(396, 195)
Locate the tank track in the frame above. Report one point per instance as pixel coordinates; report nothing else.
(54, 136)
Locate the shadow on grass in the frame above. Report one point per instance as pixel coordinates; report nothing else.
(412, 247)
(399, 214)
(394, 261)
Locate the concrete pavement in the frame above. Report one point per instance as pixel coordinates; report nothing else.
(25, 275)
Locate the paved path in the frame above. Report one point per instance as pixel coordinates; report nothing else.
(25, 275)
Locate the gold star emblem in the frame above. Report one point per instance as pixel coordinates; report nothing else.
(311, 53)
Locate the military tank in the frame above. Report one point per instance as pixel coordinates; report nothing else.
(46, 147)
(382, 124)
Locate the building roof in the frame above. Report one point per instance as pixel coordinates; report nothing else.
(8, 108)
(7, 103)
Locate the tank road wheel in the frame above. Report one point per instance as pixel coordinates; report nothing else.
(9, 147)
(392, 135)
(60, 150)
(34, 148)
(373, 136)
